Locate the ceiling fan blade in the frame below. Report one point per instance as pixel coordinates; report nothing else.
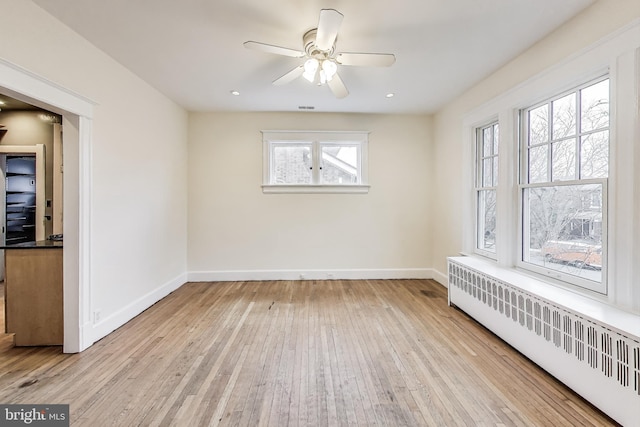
(328, 26)
(290, 76)
(337, 87)
(278, 50)
(366, 59)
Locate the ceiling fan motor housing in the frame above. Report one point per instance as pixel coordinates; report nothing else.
(312, 51)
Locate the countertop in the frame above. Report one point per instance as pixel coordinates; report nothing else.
(40, 244)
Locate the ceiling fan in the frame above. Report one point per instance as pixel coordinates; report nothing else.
(321, 65)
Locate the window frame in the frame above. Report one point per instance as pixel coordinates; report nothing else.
(524, 184)
(317, 140)
(479, 186)
(616, 54)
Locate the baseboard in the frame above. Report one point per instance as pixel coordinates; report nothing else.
(441, 278)
(344, 274)
(119, 318)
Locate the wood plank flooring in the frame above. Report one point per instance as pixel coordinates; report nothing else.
(317, 353)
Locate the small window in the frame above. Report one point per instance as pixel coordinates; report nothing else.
(487, 139)
(307, 162)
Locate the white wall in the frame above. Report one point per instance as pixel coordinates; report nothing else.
(138, 164)
(451, 191)
(237, 232)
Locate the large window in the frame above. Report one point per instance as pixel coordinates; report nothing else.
(487, 138)
(564, 158)
(315, 161)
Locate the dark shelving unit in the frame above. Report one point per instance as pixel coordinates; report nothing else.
(21, 199)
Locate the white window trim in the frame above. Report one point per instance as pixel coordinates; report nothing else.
(567, 279)
(478, 187)
(271, 137)
(617, 54)
(571, 280)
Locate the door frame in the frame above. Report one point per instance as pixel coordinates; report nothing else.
(77, 114)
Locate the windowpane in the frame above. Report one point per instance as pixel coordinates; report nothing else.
(594, 155)
(595, 106)
(487, 142)
(495, 171)
(487, 220)
(339, 164)
(538, 164)
(496, 138)
(487, 166)
(291, 164)
(564, 116)
(564, 160)
(539, 125)
(565, 229)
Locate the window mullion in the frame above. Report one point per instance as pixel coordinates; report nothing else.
(578, 135)
(316, 162)
(549, 142)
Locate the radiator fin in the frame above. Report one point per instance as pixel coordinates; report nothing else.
(636, 370)
(579, 340)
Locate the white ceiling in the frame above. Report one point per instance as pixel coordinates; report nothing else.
(192, 50)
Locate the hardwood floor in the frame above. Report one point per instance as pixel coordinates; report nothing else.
(375, 352)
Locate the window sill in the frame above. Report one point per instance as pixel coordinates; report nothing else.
(338, 189)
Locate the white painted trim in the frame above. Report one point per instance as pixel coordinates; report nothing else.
(327, 135)
(84, 188)
(125, 314)
(441, 278)
(328, 274)
(26, 86)
(339, 189)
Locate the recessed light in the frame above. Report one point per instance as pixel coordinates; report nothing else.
(235, 93)
(390, 95)
(1, 102)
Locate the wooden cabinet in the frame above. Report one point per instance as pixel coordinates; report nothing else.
(33, 295)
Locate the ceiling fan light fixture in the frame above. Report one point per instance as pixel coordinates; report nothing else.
(329, 68)
(310, 69)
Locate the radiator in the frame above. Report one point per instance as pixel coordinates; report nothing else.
(597, 360)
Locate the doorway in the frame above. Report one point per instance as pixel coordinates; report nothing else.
(77, 113)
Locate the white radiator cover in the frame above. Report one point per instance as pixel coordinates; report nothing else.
(598, 360)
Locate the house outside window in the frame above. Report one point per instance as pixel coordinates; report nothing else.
(564, 157)
(301, 162)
